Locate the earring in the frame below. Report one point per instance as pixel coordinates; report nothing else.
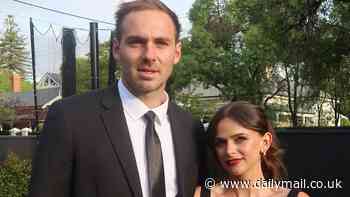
(263, 153)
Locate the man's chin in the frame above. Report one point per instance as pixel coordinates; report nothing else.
(149, 87)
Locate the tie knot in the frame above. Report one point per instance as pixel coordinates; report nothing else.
(150, 116)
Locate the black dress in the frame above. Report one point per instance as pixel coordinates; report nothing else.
(292, 193)
(205, 192)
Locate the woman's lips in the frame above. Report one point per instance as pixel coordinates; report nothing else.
(233, 162)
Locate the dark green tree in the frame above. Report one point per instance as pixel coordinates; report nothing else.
(13, 48)
(253, 50)
(84, 69)
(7, 111)
(231, 53)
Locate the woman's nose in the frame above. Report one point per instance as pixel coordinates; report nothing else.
(231, 147)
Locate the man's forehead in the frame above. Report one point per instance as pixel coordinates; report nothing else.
(141, 20)
(150, 13)
(146, 37)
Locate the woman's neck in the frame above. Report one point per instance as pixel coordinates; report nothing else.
(249, 184)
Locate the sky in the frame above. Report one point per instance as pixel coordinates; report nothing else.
(48, 49)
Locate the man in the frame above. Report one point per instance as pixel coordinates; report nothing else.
(127, 140)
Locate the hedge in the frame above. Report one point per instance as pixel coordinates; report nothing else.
(14, 176)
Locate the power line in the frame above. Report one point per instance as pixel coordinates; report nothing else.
(61, 12)
(40, 20)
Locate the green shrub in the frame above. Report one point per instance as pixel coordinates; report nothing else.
(345, 123)
(14, 176)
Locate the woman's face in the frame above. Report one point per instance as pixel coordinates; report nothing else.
(238, 149)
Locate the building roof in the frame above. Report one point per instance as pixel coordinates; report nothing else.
(50, 80)
(27, 98)
(56, 77)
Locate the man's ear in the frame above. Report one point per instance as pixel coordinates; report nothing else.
(178, 52)
(116, 49)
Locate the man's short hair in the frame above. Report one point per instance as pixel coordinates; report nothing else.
(141, 5)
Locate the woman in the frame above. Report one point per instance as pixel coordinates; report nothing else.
(247, 150)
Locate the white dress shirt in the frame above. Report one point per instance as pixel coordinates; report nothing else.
(134, 110)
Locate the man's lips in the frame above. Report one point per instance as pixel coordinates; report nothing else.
(147, 70)
(147, 73)
(232, 162)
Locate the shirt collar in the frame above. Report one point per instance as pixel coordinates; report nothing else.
(136, 108)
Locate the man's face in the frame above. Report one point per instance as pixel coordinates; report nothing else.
(147, 51)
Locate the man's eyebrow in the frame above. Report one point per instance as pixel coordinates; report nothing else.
(142, 39)
(136, 38)
(163, 39)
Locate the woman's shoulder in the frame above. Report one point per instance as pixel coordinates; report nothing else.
(280, 192)
(297, 193)
(204, 192)
(197, 192)
(201, 192)
(289, 193)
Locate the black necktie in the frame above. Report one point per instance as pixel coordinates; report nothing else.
(154, 158)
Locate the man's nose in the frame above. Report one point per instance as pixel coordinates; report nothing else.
(150, 52)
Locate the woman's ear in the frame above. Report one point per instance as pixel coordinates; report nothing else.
(266, 142)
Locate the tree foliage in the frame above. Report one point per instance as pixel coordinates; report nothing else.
(7, 111)
(5, 83)
(12, 48)
(84, 69)
(228, 55)
(253, 48)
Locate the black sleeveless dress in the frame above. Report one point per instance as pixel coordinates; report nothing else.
(292, 193)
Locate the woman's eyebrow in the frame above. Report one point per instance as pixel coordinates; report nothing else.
(231, 136)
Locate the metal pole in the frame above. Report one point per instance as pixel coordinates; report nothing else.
(68, 63)
(111, 62)
(94, 56)
(34, 75)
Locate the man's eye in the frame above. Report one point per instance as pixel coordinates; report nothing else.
(134, 43)
(162, 44)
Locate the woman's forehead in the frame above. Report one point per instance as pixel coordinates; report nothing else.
(227, 128)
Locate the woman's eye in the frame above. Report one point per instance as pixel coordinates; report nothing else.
(240, 139)
(219, 143)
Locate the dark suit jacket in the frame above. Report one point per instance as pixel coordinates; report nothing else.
(85, 149)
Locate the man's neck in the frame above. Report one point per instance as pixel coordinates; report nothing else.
(150, 99)
(154, 99)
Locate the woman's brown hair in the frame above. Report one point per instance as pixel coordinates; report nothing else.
(252, 117)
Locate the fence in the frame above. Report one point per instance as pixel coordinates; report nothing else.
(318, 155)
(63, 61)
(23, 146)
(70, 72)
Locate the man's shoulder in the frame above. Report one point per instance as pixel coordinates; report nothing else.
(90, 99)
(181, 113)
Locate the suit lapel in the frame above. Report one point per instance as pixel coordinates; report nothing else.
(117, 130)
(179, 148)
